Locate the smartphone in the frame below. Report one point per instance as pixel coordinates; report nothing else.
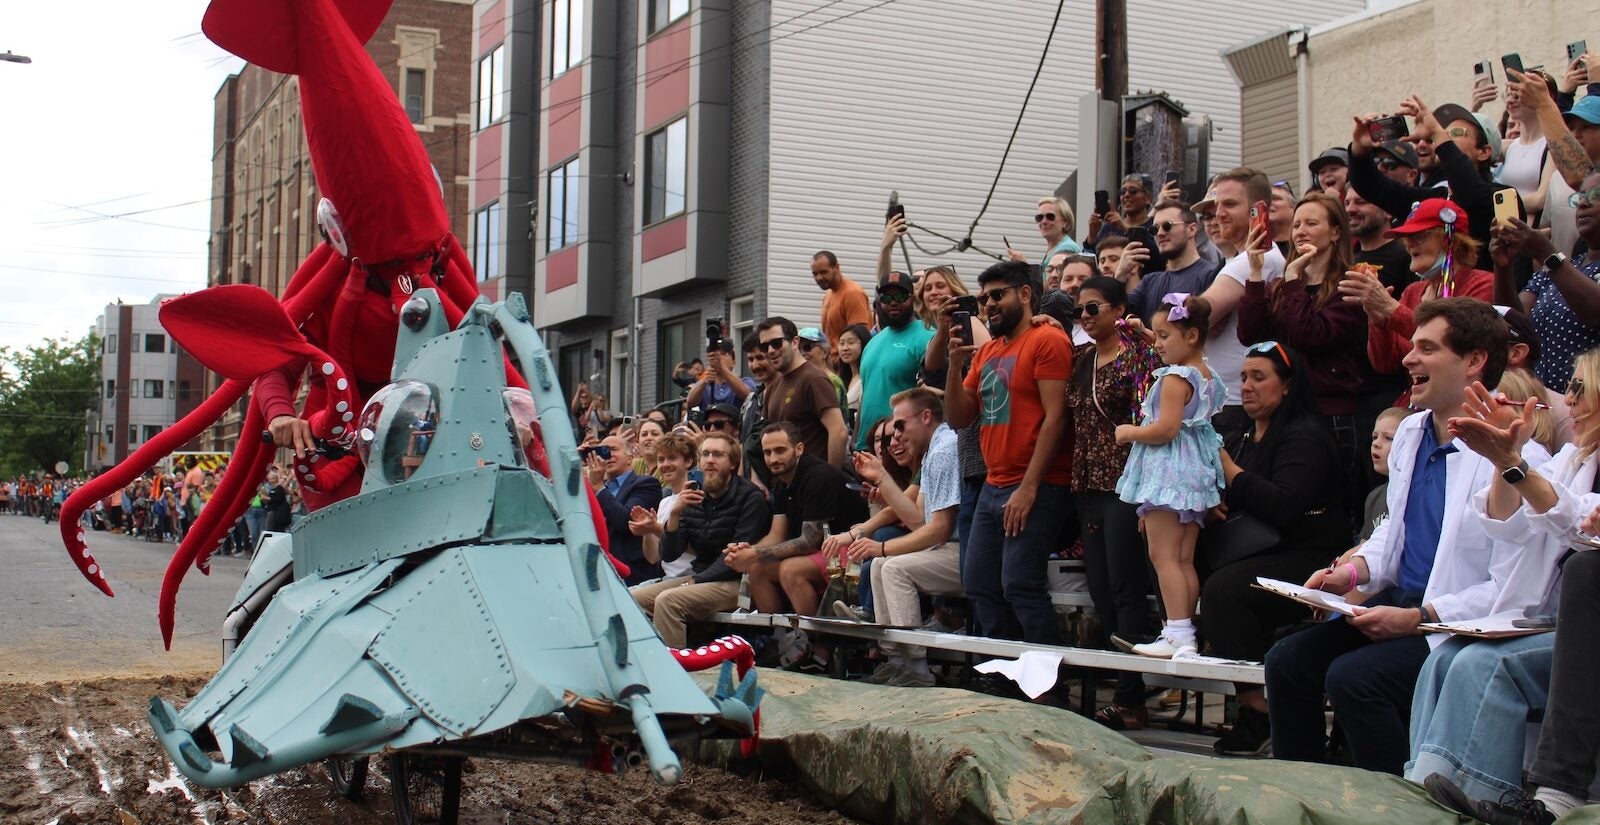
(855, 487)
(961, 323)
(1387, 128)
(1507, 205)
(1259, 223)
(1483, 73)
(1512, 62)
(691, 485)
(1576, 50)
(696, 476)
(1102, 201)
(967, 304)
(1535, 622)
(896, 210)
(1171, 178)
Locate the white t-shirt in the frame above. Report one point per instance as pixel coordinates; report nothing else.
(1560, 216)
(684, 564)
(1523, 166)
(1224, 352)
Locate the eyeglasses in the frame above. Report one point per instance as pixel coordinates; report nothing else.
(1575, 386)
(896, 297)
(1090, 309)
(1266, 347)
(884, 441)
(774, 345)
(806, 346)
(1043, 217)
(1591, 197)
(1054, 267)
(713, 454)
(1285, 186)
(993, 295)
(1165, 227)
(1130, 190)
(1388, 164)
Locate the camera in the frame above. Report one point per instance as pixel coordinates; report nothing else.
(713, 334)
(1387, 128)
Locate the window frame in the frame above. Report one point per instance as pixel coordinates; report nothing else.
(665, 22)
(419, 116)
(150, 337)
(621, 357)
(665, 166)
(741, 322)
(569, 205)
(566, 36)
(154, 384)
(690, 325)
(492, 94)
(486, 226)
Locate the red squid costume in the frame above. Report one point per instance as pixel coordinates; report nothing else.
(387, 235)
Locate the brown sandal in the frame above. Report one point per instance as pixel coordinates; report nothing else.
(1117, 717)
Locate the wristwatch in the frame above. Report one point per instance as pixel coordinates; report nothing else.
(1554, 262)
(1515, 475)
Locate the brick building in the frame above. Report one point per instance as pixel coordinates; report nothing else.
(148, 382)
(264, 191)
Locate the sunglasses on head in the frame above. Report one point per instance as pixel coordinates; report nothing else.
(1091, 309)
(1284, 185)
(1267, 347)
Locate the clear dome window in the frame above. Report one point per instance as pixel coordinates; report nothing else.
(396, 429)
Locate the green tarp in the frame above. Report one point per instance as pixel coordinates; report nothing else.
(953, 756)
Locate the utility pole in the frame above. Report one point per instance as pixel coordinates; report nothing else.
(1111, 36)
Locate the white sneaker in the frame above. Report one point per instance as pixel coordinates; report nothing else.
(1164, 647)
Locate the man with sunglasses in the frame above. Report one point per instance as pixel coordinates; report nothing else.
(1016, 391)
(1176, 232)
(1398, 161)
(894, 355)
(801, 394)
(1133, 198)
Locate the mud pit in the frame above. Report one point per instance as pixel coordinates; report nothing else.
(81, 752)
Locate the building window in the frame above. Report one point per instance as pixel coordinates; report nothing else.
(741, 322)
(566, 34)
(133, 434)
(150, 431)
(111, 343)
(620, 356)
(485, 240)
(562, 200)
(667, 169)
(133, 389)
(111, 435)
(678, 342)
(570, 368)
(172, 389)
(492, 87)
(152, 388)
(416, 94)
(111, 391)
(664, 13)
(155, 343)
(183, 391)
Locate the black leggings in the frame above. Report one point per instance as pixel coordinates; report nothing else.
(1117, 566)
(1240, 621)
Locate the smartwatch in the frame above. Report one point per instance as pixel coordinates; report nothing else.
(1516, 474)
(1554, 262)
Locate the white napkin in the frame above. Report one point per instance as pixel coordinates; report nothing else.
(1035, 672)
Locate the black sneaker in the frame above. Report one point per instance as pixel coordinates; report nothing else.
(1251, 735)
(1514, 807)
(809, 663)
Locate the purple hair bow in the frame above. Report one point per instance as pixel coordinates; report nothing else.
(1176, 301)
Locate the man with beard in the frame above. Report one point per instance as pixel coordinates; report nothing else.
(1016, 391)
(1368, 225)
(801, 394)
(893, 356)
(1175, 231)
(722, 511)
(844, 302)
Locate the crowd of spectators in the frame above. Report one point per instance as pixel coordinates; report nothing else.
(1378, 388)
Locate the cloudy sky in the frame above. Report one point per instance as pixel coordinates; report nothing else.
(105, 159)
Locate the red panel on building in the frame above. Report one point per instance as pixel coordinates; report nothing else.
(492, 26)
(561, 269)
(666, 79)
(665, 238)
(566, 119)
(487, 145)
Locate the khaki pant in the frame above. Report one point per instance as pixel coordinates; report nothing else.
(673, 602)
(897, 580)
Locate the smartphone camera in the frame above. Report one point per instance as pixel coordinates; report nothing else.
(1387, 128)
(600, 451)
(692, 485)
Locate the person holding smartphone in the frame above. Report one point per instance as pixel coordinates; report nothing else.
(1527, 167)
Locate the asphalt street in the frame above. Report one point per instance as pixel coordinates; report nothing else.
(54, 625)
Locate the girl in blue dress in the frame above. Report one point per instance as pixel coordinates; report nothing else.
(1174, 472)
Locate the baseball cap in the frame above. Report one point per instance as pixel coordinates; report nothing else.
(1452, 112)
(1586, 110)
(1403, 152)
(812, 334)
(1336, 155)
(1431, 214)
(896, 280)
(728, 410)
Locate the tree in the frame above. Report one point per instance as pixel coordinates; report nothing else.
(46, 391)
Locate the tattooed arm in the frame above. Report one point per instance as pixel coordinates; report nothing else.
(808, 542)
(1569, 156)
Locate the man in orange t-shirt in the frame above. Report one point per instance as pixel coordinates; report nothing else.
(1016, 390)
(844, 302)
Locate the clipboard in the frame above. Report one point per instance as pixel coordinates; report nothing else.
(1315, 599)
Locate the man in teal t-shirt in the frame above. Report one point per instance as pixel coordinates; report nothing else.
(893, 356)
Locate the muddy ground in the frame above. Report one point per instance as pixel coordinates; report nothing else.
(81, 752)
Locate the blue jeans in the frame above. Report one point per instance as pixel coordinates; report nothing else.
(1470, 714)
(1005, 576)
(255, 518)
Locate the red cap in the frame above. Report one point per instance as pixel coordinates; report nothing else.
(1431, 214)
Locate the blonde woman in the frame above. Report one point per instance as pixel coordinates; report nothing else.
(1519, 383)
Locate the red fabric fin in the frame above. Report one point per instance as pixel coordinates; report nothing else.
(237, 331)
(131, 468)
(263, 31)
